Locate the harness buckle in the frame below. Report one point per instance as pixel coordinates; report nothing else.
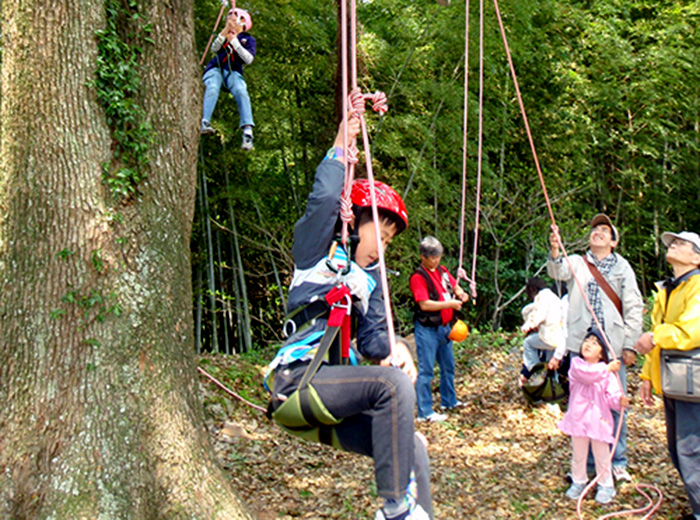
(331, 253)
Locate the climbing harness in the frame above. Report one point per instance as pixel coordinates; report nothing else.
(303, 414)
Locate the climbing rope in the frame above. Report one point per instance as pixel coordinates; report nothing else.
(357, 100)
(555, 230)
(224, 3)
(228, 391)
(461, 273)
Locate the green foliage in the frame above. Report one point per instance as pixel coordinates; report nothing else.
(117, 82)
(65, 254)
(611, 93)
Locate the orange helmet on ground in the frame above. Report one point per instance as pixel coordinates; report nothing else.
(459, 331)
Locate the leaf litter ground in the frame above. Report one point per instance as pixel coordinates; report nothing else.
(496, 458)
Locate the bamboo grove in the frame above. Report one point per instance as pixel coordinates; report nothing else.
(612, 93)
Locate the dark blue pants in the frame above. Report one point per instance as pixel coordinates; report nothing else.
(683, 439)
(376, 405)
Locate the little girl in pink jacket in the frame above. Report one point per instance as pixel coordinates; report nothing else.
(594, 390)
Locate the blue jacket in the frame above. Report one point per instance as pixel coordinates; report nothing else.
(227, 58)
(313, 236)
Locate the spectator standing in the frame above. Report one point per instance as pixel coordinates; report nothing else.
(676, 327)
(611, 288)
(437, 295)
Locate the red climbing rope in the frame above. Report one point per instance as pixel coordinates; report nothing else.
(555, 229)
(224, 3)
(228, 391)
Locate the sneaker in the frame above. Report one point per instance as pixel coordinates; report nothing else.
(620, 474)
(605, 494)
(206, 128)
(458, 404)
(575, 491)
(433, 417)
(247, 143)
(418, 513)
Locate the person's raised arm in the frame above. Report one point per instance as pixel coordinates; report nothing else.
(353, 130)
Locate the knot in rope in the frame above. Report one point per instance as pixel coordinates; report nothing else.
(357, 100)
(461, 273)
(346, 207)
(379, 102)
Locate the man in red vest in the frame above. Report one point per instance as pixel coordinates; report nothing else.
(437, 295)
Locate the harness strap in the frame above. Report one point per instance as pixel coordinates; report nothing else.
(340, 315)
(326, 341)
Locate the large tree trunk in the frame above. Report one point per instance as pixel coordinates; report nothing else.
(100, 413)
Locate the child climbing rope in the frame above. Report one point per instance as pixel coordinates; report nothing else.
(365, 409)
(233, 48)
(588, 420)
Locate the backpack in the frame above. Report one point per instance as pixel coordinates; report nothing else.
(545, 386)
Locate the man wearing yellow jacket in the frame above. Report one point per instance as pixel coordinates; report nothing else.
(676, 326)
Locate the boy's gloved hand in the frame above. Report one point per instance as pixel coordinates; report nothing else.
(402, 359)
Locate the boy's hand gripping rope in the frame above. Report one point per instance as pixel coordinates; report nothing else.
(356, 100)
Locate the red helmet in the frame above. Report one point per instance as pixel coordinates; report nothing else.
(242, 13)
(387, 199)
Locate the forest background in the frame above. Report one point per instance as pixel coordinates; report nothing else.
(611, 90)
(100, 157)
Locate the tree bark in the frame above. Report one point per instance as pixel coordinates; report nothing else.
(100, 411)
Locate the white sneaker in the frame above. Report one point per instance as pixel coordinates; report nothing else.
(620, 474)
(206, 128)
(247, 143)
(433, 417)
(418, 513)
(458, 404)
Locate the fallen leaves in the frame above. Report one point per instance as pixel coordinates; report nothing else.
(496, 458)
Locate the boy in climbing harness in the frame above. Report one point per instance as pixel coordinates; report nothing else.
(233, 47)
(363, 409)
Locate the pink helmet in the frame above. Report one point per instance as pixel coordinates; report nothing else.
(242, 13)
(387, 199)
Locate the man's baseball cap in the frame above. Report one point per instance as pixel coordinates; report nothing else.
(602, 218)
(688, 236)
